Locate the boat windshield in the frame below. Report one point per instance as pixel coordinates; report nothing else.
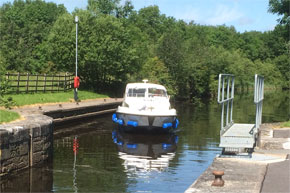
(136, 92)
(155, 92)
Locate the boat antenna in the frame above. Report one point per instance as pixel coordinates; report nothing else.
(145, 80)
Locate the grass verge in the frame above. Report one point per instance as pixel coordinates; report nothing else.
(285, 124)
(7, 116)
(37, 98)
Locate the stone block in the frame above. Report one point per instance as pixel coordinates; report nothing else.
(37, 146)
(24, 148)
(5, 154)
(45, 157)
(5, 169)
(4, 137)
(47, 129)
(25, 159)
(37, 158)
(6, 162)
(35, 139)
(24, 134)
(35, 130)
(281, 133)
(47, 145)
(14, 137)
(22, 165)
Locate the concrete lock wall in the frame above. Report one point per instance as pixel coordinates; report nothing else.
(25, 143)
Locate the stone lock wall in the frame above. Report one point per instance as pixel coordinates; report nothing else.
(25, 143)
(29, 142)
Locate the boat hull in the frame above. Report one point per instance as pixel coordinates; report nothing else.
(133, 121)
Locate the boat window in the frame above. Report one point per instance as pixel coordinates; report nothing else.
(136, 92)
(153, 92)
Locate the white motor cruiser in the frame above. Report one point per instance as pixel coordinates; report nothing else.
(146, 105)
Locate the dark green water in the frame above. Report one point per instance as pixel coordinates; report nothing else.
(112, 161)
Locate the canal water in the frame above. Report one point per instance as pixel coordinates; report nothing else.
(96, 157)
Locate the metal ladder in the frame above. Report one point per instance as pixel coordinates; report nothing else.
(237, 137)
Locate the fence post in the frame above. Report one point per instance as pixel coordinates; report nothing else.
(71, 81)
(36, 83)
(64, 89)
(52, 83)
(27, 82)
(18, 80)
(44, 87)
(7, 76)
(58, 82)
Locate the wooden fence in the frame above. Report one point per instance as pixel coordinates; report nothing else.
(20, 83)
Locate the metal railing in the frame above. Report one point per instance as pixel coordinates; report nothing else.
(226, 99)
(258, 99)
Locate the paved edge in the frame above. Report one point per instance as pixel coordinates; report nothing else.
(253, 176)
(239, 176)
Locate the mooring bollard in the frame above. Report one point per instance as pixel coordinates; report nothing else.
(218, 181)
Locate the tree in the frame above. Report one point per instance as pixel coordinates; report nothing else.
(110, 7)
(108, 49)
(254, 46)
(59, 49)
(282, 7)
(281, 33)
(107, 7)
(26, 25)
(282, 63)
(156, 72)
(171, 52)
(150, 21)
(126, 10)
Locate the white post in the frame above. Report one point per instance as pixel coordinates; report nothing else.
(76, 20)
(76, 89)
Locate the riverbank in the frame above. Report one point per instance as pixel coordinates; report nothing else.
(267, 170)
(48, 98)
(28, 141)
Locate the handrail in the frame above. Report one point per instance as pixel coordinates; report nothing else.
(226, 98)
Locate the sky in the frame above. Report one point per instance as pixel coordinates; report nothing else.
(244, 15)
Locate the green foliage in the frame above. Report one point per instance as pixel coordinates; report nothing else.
(102, 6)
(7, 102)
(108, 49)
(156, 71)
(117, 44)
(281, 7)
(59, 48)
(26, 24)
(110, 7)
(282, 62)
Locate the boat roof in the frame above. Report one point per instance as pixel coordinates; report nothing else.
(145, 85)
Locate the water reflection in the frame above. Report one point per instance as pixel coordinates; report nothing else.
(75, 150)
(145, 152)
(36, 179)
